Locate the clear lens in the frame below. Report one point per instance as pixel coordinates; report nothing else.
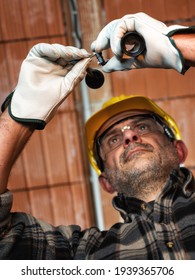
(132, 44)
(114, 136)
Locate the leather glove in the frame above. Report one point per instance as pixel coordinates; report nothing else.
(161, 52)
(47, 76)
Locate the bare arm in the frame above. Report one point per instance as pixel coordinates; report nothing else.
(41, 88)
(160, 50)
(13, 138)
(186, 44)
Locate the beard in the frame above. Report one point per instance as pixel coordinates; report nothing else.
(144, 172)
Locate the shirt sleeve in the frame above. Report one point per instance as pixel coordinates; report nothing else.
(22, 236)
(6, 200)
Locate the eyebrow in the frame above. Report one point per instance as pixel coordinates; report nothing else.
(110, 132)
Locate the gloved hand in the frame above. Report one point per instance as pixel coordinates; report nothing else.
(161, 51)
(47, 76)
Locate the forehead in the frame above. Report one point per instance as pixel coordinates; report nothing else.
(120, 117)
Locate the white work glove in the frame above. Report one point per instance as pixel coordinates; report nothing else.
(47, 76)
(161, 51)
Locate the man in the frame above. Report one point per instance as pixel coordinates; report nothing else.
(133, 144)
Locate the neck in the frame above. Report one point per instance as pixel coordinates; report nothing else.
(147, 191)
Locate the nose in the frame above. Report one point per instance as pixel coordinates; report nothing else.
(130, 136)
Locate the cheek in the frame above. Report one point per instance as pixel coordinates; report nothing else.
(158, 142)
(113, 158)
(165, 150)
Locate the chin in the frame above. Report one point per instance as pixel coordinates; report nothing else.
(139, 160)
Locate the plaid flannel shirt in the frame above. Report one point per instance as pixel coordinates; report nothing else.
(164, 230)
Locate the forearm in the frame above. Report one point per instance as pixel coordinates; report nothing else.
(13, 138)
(186, 44)
(45, 80)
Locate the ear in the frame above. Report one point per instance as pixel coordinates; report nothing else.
(181, 150)
(105, 184)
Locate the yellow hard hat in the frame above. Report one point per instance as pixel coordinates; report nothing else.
(118, 105)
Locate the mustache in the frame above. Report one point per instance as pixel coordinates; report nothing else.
(133, 146)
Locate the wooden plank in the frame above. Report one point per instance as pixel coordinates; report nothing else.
(40, 201)
(61, 197)
(82, 203)
(111, 216)
(73, 205)
(33, 14)
(176, 9)
(54, 152)
(11, 20)
(5, 78)
(72, 148)
(53, 16)
(34, 162)
(21, 202)
(182, 110)
(17, 179)
(155, 9)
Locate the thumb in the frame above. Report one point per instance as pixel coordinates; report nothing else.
(102, 41)
(77, 73)
(114, 64)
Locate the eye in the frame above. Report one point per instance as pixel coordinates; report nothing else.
(143, 128)
(113, 140)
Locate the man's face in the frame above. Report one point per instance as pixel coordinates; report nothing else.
(138, 156)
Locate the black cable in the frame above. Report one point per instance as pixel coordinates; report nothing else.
(94, 78)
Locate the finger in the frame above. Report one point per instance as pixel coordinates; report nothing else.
(55, 51)
(77, 73)
(103, 40)
(120, 29)
(70, 53)
(114, 64)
